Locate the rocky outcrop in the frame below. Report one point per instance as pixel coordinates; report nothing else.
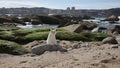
(40, 49)
(74, 28)
(88, 25)
(110, 40)
(113, 29)
(80, 27)
(112, 18)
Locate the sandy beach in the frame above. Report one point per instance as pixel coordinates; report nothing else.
(60, 34)
(95, 55)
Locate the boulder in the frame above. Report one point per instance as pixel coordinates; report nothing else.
(113, 29)
(110, 40)
(112, 18)
(74, 28)
(80, 27)
(40, 49)
(88, 25)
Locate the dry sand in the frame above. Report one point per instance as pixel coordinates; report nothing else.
(92, 56)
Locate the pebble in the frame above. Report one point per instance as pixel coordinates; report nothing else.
(114, 46)
(23, 62)
(104, 61)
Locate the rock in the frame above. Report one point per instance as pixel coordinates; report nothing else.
(85, 45)
(115, 33)
(113, 18)
(32, 44)
(79, 45)
(114, 30)
(88, 25)
(23, 61)
(74, 28)
(40, 49)
(76, 45)
(80, 27)
(114, 46)
(94, 64)
(114, 57)
(95, 29)
(110, 40)
(105, 61)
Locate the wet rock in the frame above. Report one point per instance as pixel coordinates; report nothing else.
(40, 49)
(110, 40)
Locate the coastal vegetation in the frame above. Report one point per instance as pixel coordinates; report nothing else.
(11, 40)
(11, 48)
(23, 36)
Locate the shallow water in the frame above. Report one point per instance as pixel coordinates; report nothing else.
(37, 26)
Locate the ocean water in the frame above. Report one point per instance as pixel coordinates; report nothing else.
(104, 24)
(29, 26)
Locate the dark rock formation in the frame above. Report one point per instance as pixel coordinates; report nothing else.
(40, 49)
